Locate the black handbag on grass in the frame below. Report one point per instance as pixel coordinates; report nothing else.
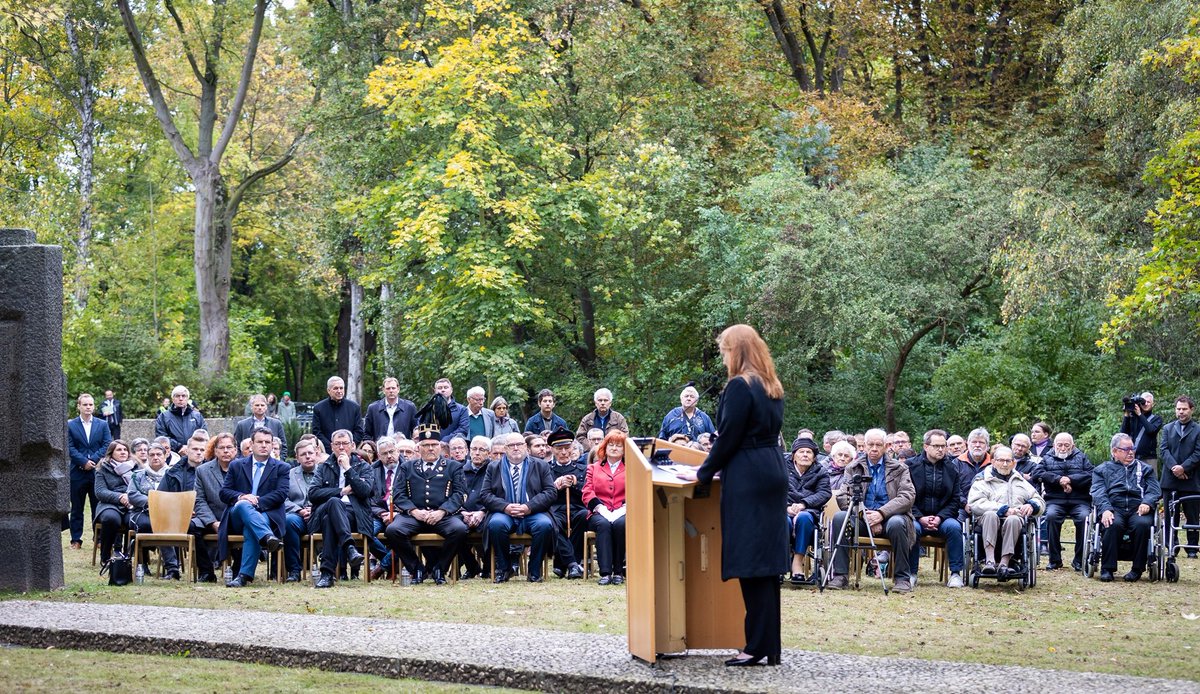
(120, 570)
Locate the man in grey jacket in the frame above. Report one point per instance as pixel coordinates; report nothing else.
(210, 477)
(297, 505)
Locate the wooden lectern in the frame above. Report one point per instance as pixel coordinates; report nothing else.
(676, 599)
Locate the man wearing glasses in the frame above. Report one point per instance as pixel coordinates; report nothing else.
(1125, 492)
(938, 502)
(518, 491)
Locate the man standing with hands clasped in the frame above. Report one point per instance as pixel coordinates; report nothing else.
(1180, 456)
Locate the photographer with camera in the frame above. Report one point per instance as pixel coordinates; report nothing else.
(888, 495)
(1142, 425)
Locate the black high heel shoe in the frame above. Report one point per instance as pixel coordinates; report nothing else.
(752, 660)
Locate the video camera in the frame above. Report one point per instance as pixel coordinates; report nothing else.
(1133, 404)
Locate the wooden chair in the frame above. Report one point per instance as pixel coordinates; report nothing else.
(431, 540)
(237, 541)
(589, 554)
(317, 538)
(170, 516)
(526, 542)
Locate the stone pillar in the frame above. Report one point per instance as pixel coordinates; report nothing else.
(34, 478)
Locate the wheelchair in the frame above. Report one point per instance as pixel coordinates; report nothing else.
(1025, 557)
(817, 554)
(1093, 533)
(1170, 535)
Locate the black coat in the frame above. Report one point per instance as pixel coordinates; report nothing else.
(1143, 429)
(1180, 447)
(404, 418)
(329, 416)
(1052, 469)
(245, 428)
(473, 479)
(577, 468)
(754, 481)
(811, 488)
(326, 490)
(939, 489)
(442, 488)
(380, 494)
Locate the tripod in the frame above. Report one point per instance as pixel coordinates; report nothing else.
(847, 535)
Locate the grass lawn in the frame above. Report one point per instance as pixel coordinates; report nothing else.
(1065, 622)
(27, 669)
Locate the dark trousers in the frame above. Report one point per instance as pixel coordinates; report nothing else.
(112, 525)
(1190, 510)
(399, 536)
(538, 525)
(139, 522)
(568, 549)
(1056, 513)
(336, 526)
(1138, 528)
(468, 553)
(610, 543)
(205, 557)
(83, 488)
(761, 595)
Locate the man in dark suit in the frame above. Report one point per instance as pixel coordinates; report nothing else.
(336, 412)
(110, 409)
(458, 425)
(518, 491)
(258, 419)
(1180, 458)
(427, 495)
(87, 439)
(341, 493)
(255, 488)
(392, 414)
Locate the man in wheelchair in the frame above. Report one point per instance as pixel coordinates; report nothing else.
(1002, 502)
(1125, 492)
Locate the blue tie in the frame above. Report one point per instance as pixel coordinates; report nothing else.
(258, 470)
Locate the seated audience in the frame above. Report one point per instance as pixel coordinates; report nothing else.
(341, 493)
(254, 491)
(145, 480)
(113, 505)
(888, 499)
(604, 494)
(181, 477)
(1002, 502)
(1066, 474)
(840, 456)
(938, 502)
(483, 453)
(568, 511)
(808, 492)
(426, 498)
(297, 505)
(1125, 492)
(518, 492)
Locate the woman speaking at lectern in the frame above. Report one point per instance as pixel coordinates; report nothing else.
(754, 482)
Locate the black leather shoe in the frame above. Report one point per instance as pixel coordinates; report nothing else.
(292, 577)
(271, 543)
(325, 581)
(501, 577)
(418, 576)
(618, 580)
(439, 577)
(559, 573)
(1106, 576)
(575, 571)
(173, 575)
(354, 558)
(240, 581)
(1133, 576)
(1053, 567)
(534, 578)
(207, 578)
(605, 580)
(1076, 566)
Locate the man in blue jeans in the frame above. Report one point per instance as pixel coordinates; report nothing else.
(255, 489)
(935, 512)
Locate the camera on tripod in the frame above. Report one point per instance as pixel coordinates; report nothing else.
(1133, 404)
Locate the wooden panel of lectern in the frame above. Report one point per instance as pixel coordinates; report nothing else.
(676, 599)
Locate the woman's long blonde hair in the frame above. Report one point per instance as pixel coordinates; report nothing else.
(746, 355)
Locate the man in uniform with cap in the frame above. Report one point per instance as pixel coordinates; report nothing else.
(426, 497)
(518, 491)
(568, 510)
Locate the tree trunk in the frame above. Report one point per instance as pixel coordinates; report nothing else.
(786, 37)
(893, 379)
(343, 330)
(355, 345)
(85, 143)
(212, 259)
(585, 354)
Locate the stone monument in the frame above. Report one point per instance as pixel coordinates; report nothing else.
(34, 482)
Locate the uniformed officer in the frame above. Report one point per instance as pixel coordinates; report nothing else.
(569, 473)
(427, 495)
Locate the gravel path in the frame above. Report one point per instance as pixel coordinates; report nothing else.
(506, 656)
